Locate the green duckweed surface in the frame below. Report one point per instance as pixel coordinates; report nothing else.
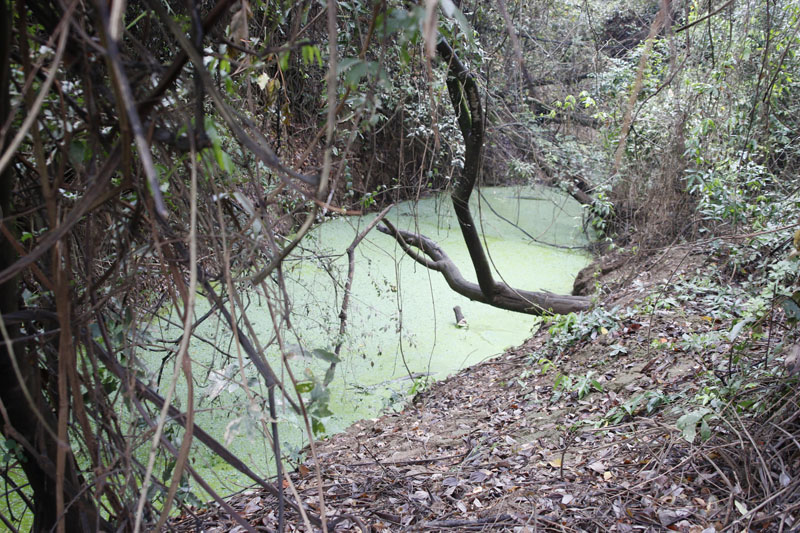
(400, 320)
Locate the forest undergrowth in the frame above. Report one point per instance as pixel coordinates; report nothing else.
(671, 406)
(672, 403)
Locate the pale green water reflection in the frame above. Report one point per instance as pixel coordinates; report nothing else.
(400, 317)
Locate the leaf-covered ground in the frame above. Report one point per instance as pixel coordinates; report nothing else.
(586, 427)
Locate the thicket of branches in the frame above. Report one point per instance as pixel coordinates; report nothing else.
(119, 197)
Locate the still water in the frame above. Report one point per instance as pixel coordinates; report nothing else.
(400, 320)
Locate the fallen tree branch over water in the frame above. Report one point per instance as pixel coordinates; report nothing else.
(502, 296)
(466, 101)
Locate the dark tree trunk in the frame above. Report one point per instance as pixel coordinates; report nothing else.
(28, 419)
(466, 101)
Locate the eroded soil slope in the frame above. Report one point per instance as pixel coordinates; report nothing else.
(583, 428)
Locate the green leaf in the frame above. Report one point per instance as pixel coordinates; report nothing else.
(320, 394)
(329, 374)
(346, 63)
(77, 152)
(655, 402)
(310, 54)
(617, 349)
(448, 7)
(354, 69)
(688, 423)
(326, 355)
(110, 385)
(355, 74)
(736, 329)
(317, 426)
(223, 159)
(304, 386)
(633, 403)
(705, 431)
(321, 410)
(791, 308)
(283, 61)
(450, 10)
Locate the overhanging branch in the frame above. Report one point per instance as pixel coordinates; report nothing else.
(465, 97)
(504, 297)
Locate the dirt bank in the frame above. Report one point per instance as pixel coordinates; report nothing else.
(583, 428)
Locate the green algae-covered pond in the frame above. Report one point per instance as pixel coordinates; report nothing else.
(400, 320)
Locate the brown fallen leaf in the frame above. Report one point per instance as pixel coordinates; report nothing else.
(253, 506)
(597, 466)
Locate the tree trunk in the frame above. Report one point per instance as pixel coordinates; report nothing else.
(28, 419)
(466, 100)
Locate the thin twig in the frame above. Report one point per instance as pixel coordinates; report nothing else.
(44, 91)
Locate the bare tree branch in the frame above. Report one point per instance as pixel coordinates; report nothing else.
(504, 297)
(465, 96)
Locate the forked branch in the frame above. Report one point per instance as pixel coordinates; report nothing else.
(465, 96)
(503, 296)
